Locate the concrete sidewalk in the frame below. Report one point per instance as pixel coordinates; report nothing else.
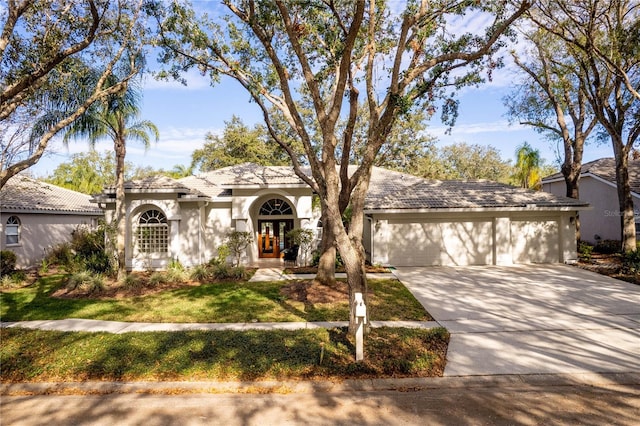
(118, 327)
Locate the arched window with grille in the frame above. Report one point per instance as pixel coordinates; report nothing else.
(275, 207)
(152, 235)
(12, 230)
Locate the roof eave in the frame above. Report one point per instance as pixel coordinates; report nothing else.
(480, 209)
(263, 186)
(17, 210)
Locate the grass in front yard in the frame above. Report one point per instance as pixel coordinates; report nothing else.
(39, 356)
(217, 302)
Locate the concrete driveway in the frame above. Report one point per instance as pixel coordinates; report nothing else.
(532, 319)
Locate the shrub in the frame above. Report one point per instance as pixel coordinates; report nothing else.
(237, 243)
(176, 275)
(79, 279)
(608, 246)
(223, 253)
(8, 261)
(221, 271)
(158, 278)
(14, 279)
(86, 251)
(238, 273)
(315, 258)
(631, 262)
(61, 255)
(200, 273)
(584, 251)
(132, 281)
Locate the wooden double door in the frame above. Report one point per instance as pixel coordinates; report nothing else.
(272, 237)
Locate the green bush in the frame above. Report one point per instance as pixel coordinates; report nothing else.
(85, 251)
(8, 261)
(61, 255)
(584, 251)
(631, 262)
(132, 281)
(200, 273)
(158, 278)
(315, 258)
(608, 246)
(226, 272)
(86, 281)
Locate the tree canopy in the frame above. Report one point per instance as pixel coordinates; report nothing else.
(56, 56)
(312, 60)
(238, 144)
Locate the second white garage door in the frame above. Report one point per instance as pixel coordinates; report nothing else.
(440, 243)
(535, 241)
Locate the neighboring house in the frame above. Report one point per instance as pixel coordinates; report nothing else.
(409, 221)
(35, 216)
(598, 188)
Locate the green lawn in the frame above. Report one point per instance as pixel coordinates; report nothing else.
(217, 302)
(38, 356)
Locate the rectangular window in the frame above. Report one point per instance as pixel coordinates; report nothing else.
(12, 234)
(153, 239)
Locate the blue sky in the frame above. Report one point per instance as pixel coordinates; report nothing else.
(184, 114)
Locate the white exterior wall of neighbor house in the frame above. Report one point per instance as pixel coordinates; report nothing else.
(451, 239)
(603, 220)
(40, 232)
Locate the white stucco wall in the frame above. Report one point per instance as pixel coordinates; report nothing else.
(40, 232)
(197, 228)
(449, 239)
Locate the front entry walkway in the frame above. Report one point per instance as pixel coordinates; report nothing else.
(532, 319)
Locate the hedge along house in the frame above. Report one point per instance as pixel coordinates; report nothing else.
(36, 216)
(410, 221)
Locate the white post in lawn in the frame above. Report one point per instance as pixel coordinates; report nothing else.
(361, 319)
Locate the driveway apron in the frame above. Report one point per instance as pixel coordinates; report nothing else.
(531, 319)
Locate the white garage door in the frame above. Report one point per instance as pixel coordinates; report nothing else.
(440, 243)
(535, 241)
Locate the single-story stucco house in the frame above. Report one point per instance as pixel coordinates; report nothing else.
(35, 216)
(598, 188)
(409, 221)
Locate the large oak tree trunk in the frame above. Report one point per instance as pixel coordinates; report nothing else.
(625, 201)
(571, 170)
(327, 264)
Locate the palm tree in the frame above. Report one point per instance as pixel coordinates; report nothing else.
(527, 168)
(116, 118)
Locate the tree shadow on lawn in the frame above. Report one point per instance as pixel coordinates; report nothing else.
(36, 355)
(20, 305)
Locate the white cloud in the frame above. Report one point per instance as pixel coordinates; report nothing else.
(195, 81)
(475, 128)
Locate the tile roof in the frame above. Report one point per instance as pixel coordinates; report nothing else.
(204, 184)
(388, 189)
(463, 194)
(27, 194)
(605, 168)
(253, 174)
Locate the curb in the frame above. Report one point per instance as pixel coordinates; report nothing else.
(352, 385)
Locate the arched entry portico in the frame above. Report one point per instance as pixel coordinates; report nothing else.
(275, 219)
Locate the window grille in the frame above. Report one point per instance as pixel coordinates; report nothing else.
(12, 230)
(275, 207)
(153, 232)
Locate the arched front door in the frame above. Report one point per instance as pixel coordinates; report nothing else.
(272, 231)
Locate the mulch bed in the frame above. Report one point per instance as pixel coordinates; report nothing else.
(609, 265)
